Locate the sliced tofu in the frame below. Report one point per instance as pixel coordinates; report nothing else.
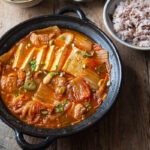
(74, 62)
(67, 37)
(49, 58)
(59, 59)
(18, 56)
(27, 59)
(40, 57)
(74, 66)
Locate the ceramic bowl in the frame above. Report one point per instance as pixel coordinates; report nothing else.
(109, 9)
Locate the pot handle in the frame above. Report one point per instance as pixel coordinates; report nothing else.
(27, 146)
(73, 9)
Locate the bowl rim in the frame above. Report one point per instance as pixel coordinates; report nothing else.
(19, 2)
(109, 29)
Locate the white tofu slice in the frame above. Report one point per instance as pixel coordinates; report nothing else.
(49, 58)
(18, 55)
(74, 66)
(59, 59)
(27, 59)
(74, 62)
(39, 57)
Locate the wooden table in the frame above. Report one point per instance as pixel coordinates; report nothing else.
(127, 125)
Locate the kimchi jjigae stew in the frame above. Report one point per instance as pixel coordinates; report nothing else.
(54, 77)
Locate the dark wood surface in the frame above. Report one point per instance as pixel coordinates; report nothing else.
(127, 125)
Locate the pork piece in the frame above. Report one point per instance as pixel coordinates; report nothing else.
(9, 83)
(97, 47)
(21, 75)
(78, 90)
(40, 39)
(77, 110)
(59, 85)
(59, 81)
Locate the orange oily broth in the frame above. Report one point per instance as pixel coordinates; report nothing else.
(58, 103)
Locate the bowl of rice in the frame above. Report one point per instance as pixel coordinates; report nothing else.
(128, 21)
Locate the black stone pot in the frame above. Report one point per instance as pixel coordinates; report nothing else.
(80, 24)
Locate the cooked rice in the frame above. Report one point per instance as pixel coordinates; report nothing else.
(132, 22)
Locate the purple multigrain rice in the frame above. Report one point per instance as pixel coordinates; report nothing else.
(132, 22)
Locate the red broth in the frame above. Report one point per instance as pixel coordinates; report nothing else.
(54, 77)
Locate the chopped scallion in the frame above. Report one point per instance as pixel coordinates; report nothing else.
(100, 69)
(59, 109)
(28, 73)
(64, 103)
(30, 85)
(63, 89)
(88, 106)
(57, 68)
(44, 112)
(16, 94)
(32, 64)
(62, 37)
(29, 45)
(52, 74)
(42, 63)
(97, 68)
(87, 55)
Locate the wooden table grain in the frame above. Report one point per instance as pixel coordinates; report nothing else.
(127, 125)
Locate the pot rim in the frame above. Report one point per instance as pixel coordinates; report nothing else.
(42, 132)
